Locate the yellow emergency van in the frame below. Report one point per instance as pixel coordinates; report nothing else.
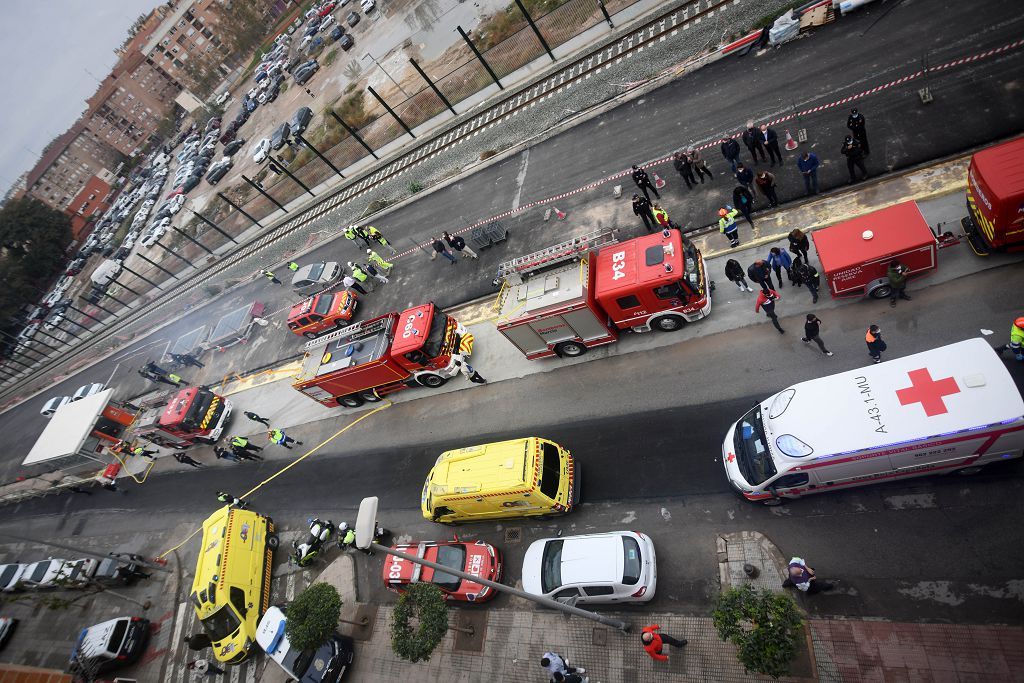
(231, 590)
(529, 477)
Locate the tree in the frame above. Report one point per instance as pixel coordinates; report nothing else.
(419, 622)
(33, 240)
(763, 626)
(313, 616)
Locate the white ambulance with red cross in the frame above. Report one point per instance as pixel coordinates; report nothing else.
(952, 409)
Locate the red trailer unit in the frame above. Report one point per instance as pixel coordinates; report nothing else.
(855, 255)
(995, 199)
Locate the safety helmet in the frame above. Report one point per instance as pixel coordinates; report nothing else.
(722, 212)
(349, 264)
(343, 526)
(369, 251)
(1019, 322)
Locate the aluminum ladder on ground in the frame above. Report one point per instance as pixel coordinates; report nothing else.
(512, 271)
(362, 328)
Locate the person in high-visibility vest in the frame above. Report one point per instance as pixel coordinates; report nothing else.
(1016, 345)
(359, 274)
(379, 238)
(660, 215)
(293, 266)
(354, 231)
(277, 436)
(231, 500)
(377, 260)
(727, 225)
(243, 443)
(269, 274)
(141, 452)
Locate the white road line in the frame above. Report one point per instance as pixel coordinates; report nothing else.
(289, 590)
(179, 623)
(236, 673)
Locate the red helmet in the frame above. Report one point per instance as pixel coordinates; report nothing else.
(1019, 322)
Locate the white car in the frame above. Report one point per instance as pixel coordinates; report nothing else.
(51, 406)
(617, 566)
(326, 22)
(175, 204)
(327, 663)
(10, 576)
(43, 574)
(87, 390)
(368, 6)
(261, 151)
(305, 41)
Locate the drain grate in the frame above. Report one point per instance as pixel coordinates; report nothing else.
(600, 637)
(513, 534)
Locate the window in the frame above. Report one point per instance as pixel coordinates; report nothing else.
(550, 473)
(670, 291)
(237, 596)
(453, 556)
(791, 480)
(551, 567)
(628, 301)
(598, 590)
(566, 593)
(633, 564)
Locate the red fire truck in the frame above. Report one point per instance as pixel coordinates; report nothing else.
(421, 346)
(995, 199)
(192, 416)
(581, 293)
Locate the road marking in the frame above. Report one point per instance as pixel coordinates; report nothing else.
(179, 623)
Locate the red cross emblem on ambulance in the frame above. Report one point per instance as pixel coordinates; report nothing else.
(928, 392)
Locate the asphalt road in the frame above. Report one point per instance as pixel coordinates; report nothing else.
(647, 429)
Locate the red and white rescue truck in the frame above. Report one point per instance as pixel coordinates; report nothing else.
(995, 199)
(572, 296)
(421, 346)
(192, 416)
(952, 409)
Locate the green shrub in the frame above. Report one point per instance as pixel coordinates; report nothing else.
(419, 622)
(313, 616)
(763, 626)
(415, 186)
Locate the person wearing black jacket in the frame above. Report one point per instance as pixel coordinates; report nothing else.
(745, 177)
(754, 142)
(799, 244)
(806, 274)
(643, 181)
(684, 167)
(771, 141)
(731, 152)
(857, 125)
(761, 273)
(854, 153)
(744, 201)
(812, 327)
(642, 208)
(734, 272)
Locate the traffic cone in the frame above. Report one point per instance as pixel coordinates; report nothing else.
(658, 182)
(560, 214)
(162, 561)
(791, 144)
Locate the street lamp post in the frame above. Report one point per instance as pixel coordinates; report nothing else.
(366, 524)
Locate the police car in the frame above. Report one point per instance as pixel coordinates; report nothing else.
(479, 559)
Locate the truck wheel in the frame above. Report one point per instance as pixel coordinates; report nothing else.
(369, 396)
(880, 292)
(432, 381)
(351, 401)
(570, 349)
(669, 323)
(273, 541)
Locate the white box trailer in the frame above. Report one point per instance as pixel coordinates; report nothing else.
(954, 408)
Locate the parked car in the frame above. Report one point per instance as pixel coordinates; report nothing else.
(336, 33)
(109, 645)
(315, 276)
(617, 566)
(346, 42)
(233, 146)
(327, 22)
(191, 182)
(218, 171)
(280, 136)
(368, 6)
(478, 558)
(352, 18)
(212, 124)
(300, 120)
(7, 627)
(326, 664)
(87, 390)
(75, 267)
(303, 74)
(10, 576)
(314, 45)
(43, 574)
(261, 151)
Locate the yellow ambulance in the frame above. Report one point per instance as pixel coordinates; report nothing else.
(231, 590)
(529, 477)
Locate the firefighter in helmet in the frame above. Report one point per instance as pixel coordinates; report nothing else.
(1016, 345)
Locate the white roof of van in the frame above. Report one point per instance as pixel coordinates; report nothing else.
(68, 429)
(937, 392)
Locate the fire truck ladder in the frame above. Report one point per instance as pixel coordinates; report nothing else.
(361, 328)
(511, 272)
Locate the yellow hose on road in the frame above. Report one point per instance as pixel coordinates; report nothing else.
(290, 465)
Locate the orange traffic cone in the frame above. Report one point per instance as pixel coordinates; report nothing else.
(560, 214)
(658, 182)
(791, 144)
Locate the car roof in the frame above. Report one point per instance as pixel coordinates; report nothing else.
(596, 558)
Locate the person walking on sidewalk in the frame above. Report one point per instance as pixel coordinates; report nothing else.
(231, 500)
(778, 260)
(555, 663)
(225, 454)
(255, 417)
(244, 444)
(803, 578)
(766, 300)
(761, 273)
(799, 244)
(727, 225)
(754, 142)
(734, 272)
(699, 164)
(808, 164)
(269, 274)
(378, 237)
(442, 249)
(349, 282)
(806, 274)
(202, 667)
(684, 167)
(812, 327)
(854, 153)
(771, 142)
(731, 152)
(744, 201)
(458, 243)
(897, 274)
(653, 642)
(766, 183)
(745, 177)
(186, 460)
(858, 128)
(876, 345)
(378, 261)
(1016, 344)
(277, 436)
(643, 181)
(642, 208)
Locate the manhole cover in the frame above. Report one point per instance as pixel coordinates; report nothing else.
(600, 638)
(513, 534)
